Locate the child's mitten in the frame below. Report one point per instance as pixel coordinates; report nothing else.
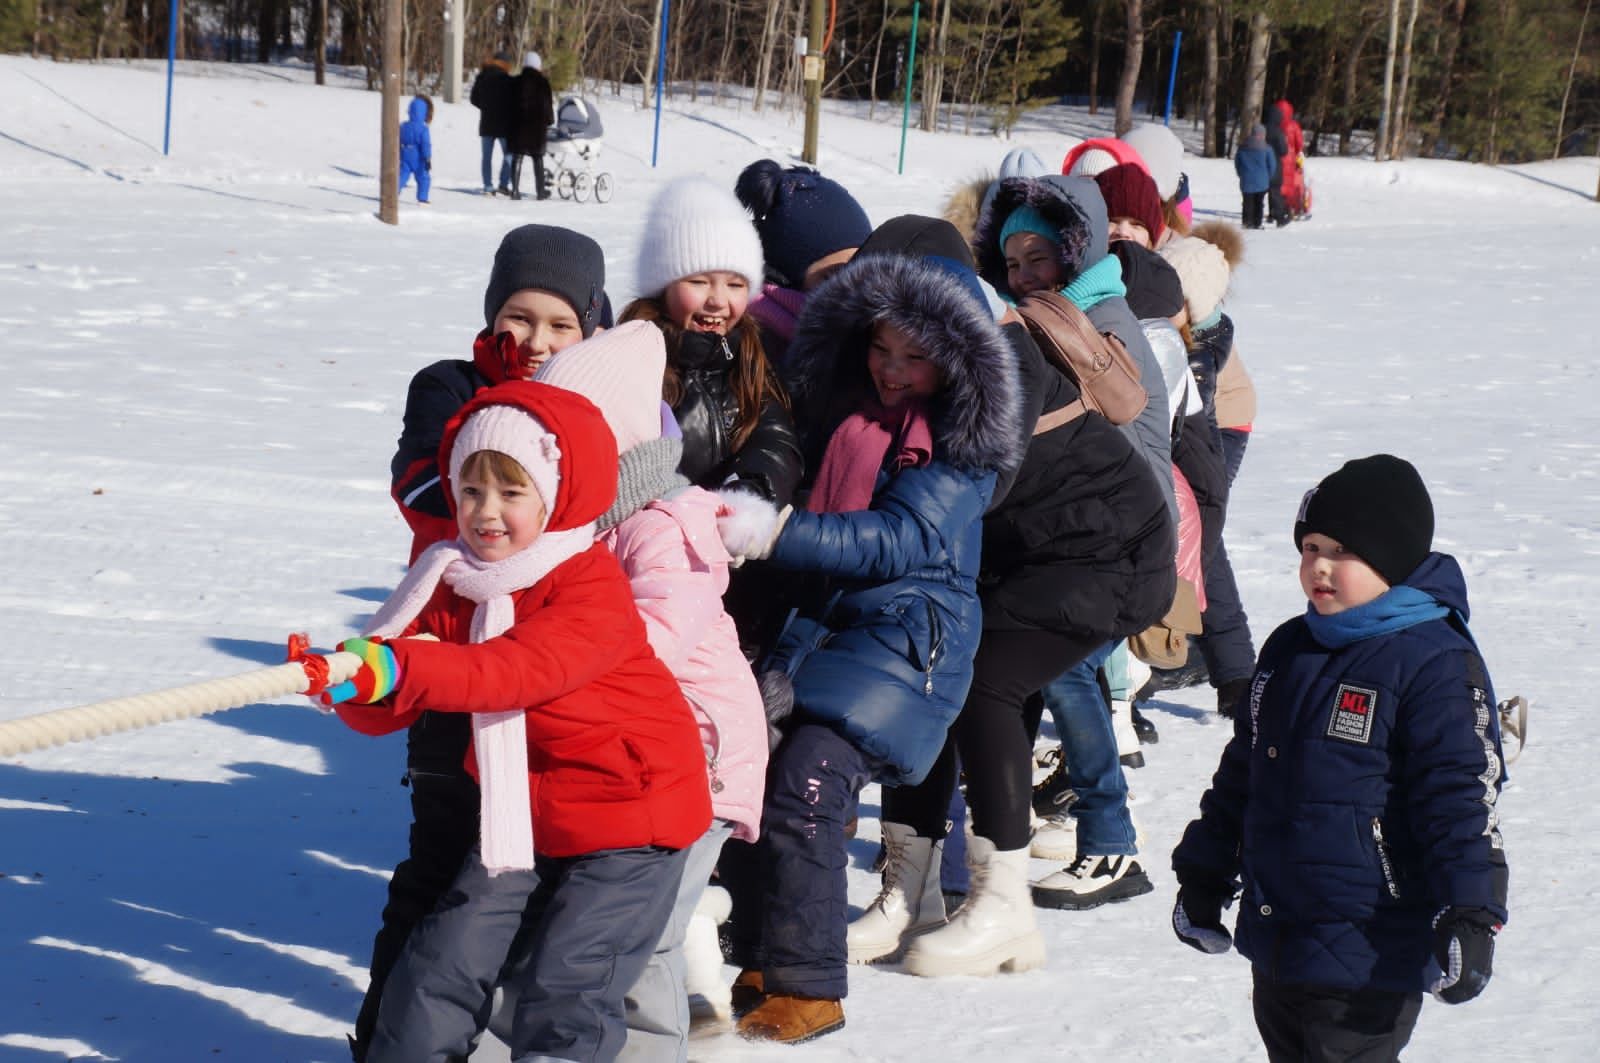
(1197, 919)
(1463, 943)
(749, 524)
(375, 680)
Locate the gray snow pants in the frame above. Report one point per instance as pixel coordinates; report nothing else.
(579, 931)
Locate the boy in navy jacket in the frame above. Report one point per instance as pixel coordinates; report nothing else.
(1356, 800)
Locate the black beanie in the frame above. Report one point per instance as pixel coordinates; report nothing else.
(1154, 288)
(916, 236)
(551, 259)
(1376, 507)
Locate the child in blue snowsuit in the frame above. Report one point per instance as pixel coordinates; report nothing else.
(1254, 164)
(1356, 800)
(416, 147)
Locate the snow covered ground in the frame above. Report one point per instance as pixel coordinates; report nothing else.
(206, 357)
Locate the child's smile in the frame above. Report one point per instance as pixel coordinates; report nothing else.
(707, 302)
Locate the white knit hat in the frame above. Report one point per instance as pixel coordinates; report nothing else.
(1093, 161)
(518, 435)
(532, 59)
(1162, 152)
(1203, 271)
(620, 371)
(696, 226)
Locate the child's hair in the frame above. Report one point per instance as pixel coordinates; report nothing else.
(753, 378)
(491, 464)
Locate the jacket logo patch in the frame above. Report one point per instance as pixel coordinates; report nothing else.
(1353, 709)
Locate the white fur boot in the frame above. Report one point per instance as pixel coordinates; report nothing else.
(910, 901)
(995, 930)
(1128, 751)
(709, 990)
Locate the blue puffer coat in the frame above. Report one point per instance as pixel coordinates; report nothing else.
(1357, 799)
(416, 145)
(889, 663)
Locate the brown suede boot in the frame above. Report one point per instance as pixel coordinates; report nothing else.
(791, 1020)
(748, 992)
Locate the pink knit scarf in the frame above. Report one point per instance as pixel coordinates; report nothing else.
(860, 448)
(500, 739)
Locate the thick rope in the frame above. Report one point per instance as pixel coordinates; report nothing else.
(61, 726)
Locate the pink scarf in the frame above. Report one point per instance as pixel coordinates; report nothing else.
(500, 739)
(778, 309)
(859, 449)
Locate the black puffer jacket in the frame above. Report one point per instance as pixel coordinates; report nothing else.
(435, 394)
(535, 111)
(1083, 542)
(494, 95)
(769, 462)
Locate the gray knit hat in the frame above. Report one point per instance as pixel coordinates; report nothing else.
(551, 259)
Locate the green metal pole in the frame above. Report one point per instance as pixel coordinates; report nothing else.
(911, 70)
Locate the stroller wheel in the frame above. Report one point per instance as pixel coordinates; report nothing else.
(564, 182)
(580, 187)
(602, 188)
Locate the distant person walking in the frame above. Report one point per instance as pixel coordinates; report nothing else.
(1278, 143)
(535, 111)
(416, 146)
(493, 94)
(1254, 164)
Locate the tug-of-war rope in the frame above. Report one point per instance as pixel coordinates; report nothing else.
(301, 675)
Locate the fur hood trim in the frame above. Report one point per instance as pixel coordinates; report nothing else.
(1073, 204)
(966, 203)
(1226, 237)
(977, 418)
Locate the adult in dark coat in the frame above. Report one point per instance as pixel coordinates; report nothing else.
(492, 95)
(535, 112)
(1278, 141)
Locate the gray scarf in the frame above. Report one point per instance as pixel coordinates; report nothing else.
(645, 473)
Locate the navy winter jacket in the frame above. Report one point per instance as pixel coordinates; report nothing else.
(1357, 799)
(416, 147)
(888, 662)
(1254, 164)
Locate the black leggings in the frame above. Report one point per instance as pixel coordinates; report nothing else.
(991, 734)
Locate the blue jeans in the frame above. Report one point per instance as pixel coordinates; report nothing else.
(1090, 746)
(488, 162)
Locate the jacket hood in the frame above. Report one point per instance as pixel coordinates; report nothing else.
(588, 451)
(1440, 576)
(965, 204)
(418, 110)
(1073, 205)
(976, 419)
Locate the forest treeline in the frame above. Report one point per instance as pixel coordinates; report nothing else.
(1483, 80)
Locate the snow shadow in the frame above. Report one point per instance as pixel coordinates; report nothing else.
(150, 918)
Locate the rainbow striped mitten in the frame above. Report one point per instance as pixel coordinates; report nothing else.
(375, 680)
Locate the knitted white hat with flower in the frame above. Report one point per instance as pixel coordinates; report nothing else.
(696, 226)
(518, 435)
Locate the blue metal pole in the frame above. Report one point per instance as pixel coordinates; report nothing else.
(911, 71)
(172, 51)
(661, 80)
(1172, 77)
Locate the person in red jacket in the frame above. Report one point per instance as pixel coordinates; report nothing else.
(587, 755)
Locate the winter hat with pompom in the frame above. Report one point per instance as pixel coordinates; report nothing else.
(1203, 269)
(696, 226)
(801, 217)
(1130, 193)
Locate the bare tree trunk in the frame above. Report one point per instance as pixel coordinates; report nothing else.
(1380, 147)
(655, 55)
(1096, 22)
(1208, 83)
(319, 40)
(1403, 103)
(1441, 101)
(1315, 115)
(933, 72)
(1255, 71)
(877, 55)
(768, 41)
(1132, 57)
(1566, 94)
(1347, 119)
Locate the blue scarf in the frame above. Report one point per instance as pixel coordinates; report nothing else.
(1096, 284)
(1395, 610)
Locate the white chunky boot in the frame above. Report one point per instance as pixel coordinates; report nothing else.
(995, 930)
(709, 992)
(1128, 751)
(910, 902)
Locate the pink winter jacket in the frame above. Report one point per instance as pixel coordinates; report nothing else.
(675, 560)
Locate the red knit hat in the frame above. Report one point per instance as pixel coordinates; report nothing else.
(1131, 193)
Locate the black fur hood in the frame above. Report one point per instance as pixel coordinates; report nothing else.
(976, 420)
(1073, 205)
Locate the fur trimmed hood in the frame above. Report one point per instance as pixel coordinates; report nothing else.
(1228, 238)
(976, 420)
(1073, 204)
(965, 205)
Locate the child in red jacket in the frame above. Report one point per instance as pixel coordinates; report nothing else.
(589, 761)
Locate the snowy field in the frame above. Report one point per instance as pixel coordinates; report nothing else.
(206, 358)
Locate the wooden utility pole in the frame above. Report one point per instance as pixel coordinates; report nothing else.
(389, 164)
(813, 78)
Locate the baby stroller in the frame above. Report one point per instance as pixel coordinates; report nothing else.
(571, 149)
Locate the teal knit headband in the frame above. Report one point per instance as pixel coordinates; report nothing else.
(1025, 219)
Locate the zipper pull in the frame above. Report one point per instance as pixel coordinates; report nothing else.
(727, 351)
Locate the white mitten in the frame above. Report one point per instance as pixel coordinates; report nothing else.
(749, 524)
